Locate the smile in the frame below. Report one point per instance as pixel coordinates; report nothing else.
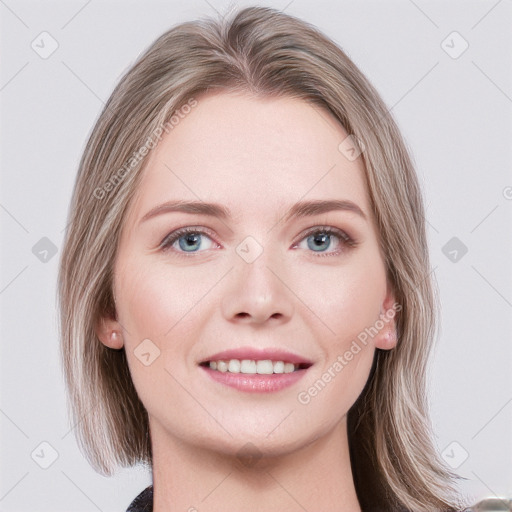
(255, 370)
(254, 367)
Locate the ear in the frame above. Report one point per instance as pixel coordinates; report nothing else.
(109, 333)
(386, 338)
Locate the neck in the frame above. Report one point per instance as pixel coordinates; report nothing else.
(316, 477)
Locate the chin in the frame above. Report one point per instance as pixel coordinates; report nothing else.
(266, 443)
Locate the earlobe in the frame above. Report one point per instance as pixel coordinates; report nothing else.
(386, 339)
(109, 333)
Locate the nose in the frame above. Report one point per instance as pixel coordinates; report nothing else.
(258, 292)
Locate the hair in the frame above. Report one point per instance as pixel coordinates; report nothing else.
(269, 54)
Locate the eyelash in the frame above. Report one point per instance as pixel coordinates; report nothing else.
(345, 239)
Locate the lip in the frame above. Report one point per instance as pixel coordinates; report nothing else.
(257, 383)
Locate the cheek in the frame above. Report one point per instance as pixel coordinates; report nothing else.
(347, 298)
(160, 303)
(158, 300)
(348, 304)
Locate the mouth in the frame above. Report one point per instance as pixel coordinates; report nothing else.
(254, 367)
(255, 370)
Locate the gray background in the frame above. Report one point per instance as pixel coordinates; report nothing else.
(455, 113)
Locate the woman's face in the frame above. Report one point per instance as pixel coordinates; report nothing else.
(256, 279)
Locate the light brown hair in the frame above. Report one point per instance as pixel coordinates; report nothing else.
(267, 53)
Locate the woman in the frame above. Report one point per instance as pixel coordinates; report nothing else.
(245, 292)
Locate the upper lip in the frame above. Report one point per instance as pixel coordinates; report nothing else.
(258, 354)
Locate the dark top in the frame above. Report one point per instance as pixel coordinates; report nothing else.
(143, 502)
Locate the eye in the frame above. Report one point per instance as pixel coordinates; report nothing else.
(319, 239)
(187, 240)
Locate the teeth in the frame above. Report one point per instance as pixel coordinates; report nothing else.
(289, 367)
(234, 366)
(279, 367)
(251, 367)
(222, 366)
(247, 366)
(264, 367)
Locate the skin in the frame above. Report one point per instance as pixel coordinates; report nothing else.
(257, 157)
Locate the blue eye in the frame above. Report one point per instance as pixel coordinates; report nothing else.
(188, 239)
(319, 240)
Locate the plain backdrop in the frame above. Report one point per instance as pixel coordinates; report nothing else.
(444, 69)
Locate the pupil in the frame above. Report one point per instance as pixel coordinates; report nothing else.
(190, 241)
(320, 239)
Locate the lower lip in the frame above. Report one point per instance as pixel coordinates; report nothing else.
(256, 383)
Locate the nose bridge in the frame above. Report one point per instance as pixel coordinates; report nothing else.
(257, 292)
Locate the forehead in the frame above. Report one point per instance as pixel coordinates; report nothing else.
(255, 155)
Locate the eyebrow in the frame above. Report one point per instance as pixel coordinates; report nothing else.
(300, 209)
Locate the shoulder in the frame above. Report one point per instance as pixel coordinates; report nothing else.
(143, 502)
